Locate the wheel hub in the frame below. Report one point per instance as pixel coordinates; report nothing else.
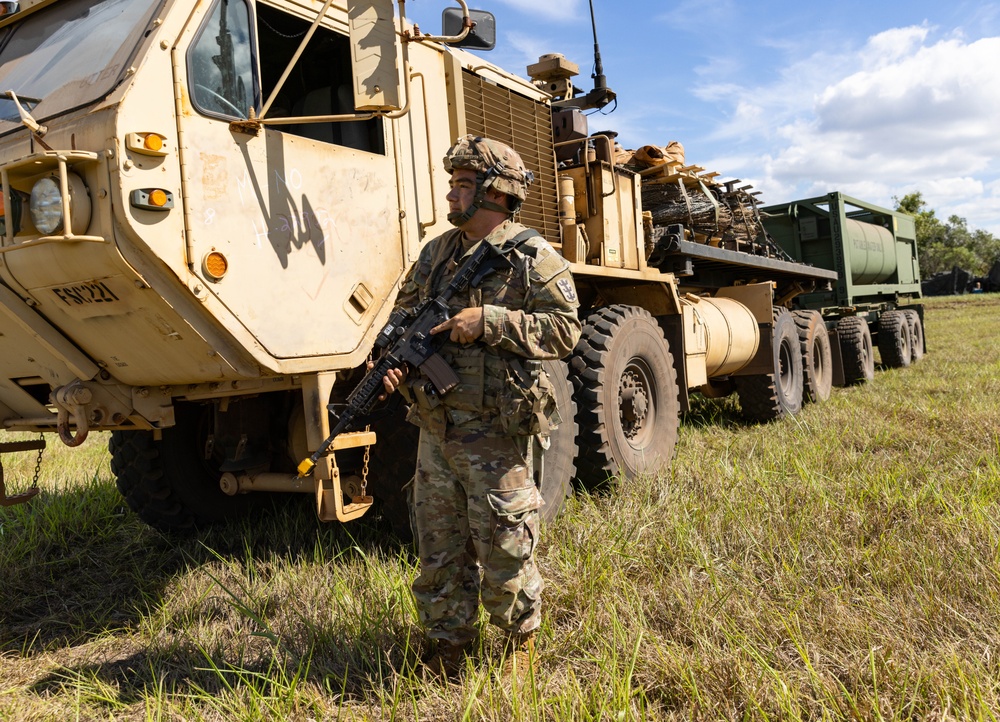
(634, 402)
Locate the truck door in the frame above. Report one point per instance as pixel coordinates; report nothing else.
(296, 230)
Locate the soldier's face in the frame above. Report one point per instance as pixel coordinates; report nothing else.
(463, 190)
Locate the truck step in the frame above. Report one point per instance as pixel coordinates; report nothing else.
(11, 447)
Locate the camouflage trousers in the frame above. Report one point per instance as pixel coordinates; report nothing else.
(475, 514)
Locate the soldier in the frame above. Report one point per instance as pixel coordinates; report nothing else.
(475, 499)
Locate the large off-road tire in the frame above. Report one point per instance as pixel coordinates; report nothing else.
(817, 360)
(856, 350)
(765, 397)
(626, 395)
(168, 483)
(559, 460)
(916, 334)
(894, 339)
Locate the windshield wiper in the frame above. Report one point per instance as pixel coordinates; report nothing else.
(9, 94)
(30, 123)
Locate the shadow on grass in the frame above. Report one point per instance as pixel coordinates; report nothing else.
(77, 562)
(359, 668)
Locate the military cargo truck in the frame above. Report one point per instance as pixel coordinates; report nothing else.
(208, 207)
(874, 252)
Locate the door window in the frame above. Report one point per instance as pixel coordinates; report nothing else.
(220, 62)
(321, 83)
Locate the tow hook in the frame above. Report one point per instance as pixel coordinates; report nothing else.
(72, 399)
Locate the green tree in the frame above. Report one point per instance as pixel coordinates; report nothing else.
(942, 246)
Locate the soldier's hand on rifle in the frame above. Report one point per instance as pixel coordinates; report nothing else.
(393, 378)
(466, 326)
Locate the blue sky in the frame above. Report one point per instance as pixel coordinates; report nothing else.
(874, 99)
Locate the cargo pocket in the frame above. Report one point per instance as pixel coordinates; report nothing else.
(514, 517)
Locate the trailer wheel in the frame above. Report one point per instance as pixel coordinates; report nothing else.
(916, 334)
(817, 361)
(856, 350)
(765, 397)
(626, 395)
(168, 483)
(894, 342)
(559, 460)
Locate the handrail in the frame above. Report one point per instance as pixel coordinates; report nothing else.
(45, 240)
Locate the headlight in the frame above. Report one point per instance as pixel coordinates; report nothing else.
(46, 205)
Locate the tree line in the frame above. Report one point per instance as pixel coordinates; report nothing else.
(944, 245)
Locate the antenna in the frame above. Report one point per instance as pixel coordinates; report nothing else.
(600, 82)
(601, 95)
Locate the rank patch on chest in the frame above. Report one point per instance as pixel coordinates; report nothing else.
(565, 287)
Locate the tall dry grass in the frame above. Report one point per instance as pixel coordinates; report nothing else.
(839, 565)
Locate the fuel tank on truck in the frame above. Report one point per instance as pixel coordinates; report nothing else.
(872, 251)
(721, 336)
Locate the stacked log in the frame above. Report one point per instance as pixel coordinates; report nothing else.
(746, 227)
(675, 202)
(720, 214)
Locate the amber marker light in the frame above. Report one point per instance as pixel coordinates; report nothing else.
(152, 142)
(147, 143)
(215, 265)
(152, 199)
(158, 198)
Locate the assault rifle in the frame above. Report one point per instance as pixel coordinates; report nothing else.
(407, 340)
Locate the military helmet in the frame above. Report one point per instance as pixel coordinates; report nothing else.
(497, 166)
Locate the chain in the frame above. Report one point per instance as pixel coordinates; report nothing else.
(278, 32)
(38, 464)
(368, 449)
(364, 466)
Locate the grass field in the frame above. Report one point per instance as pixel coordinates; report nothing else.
(839, 565)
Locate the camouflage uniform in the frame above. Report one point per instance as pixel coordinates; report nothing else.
(475, 501)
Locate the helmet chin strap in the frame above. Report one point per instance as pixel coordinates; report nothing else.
(460, 218)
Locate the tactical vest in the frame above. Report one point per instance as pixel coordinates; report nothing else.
(498, 391)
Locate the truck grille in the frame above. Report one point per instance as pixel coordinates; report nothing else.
(526, 126)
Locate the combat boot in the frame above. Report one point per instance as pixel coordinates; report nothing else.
(446, 660)
(519, 661)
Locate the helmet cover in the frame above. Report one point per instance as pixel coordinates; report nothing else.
(497, 165)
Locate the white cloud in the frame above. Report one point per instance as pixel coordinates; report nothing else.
(900, 114)
(894, 44)
(954, 189)
(526, 49)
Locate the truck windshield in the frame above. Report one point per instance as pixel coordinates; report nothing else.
(69, 54)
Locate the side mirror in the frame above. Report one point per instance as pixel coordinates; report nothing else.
(483, 35)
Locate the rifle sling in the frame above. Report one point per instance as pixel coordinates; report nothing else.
(512, 244)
